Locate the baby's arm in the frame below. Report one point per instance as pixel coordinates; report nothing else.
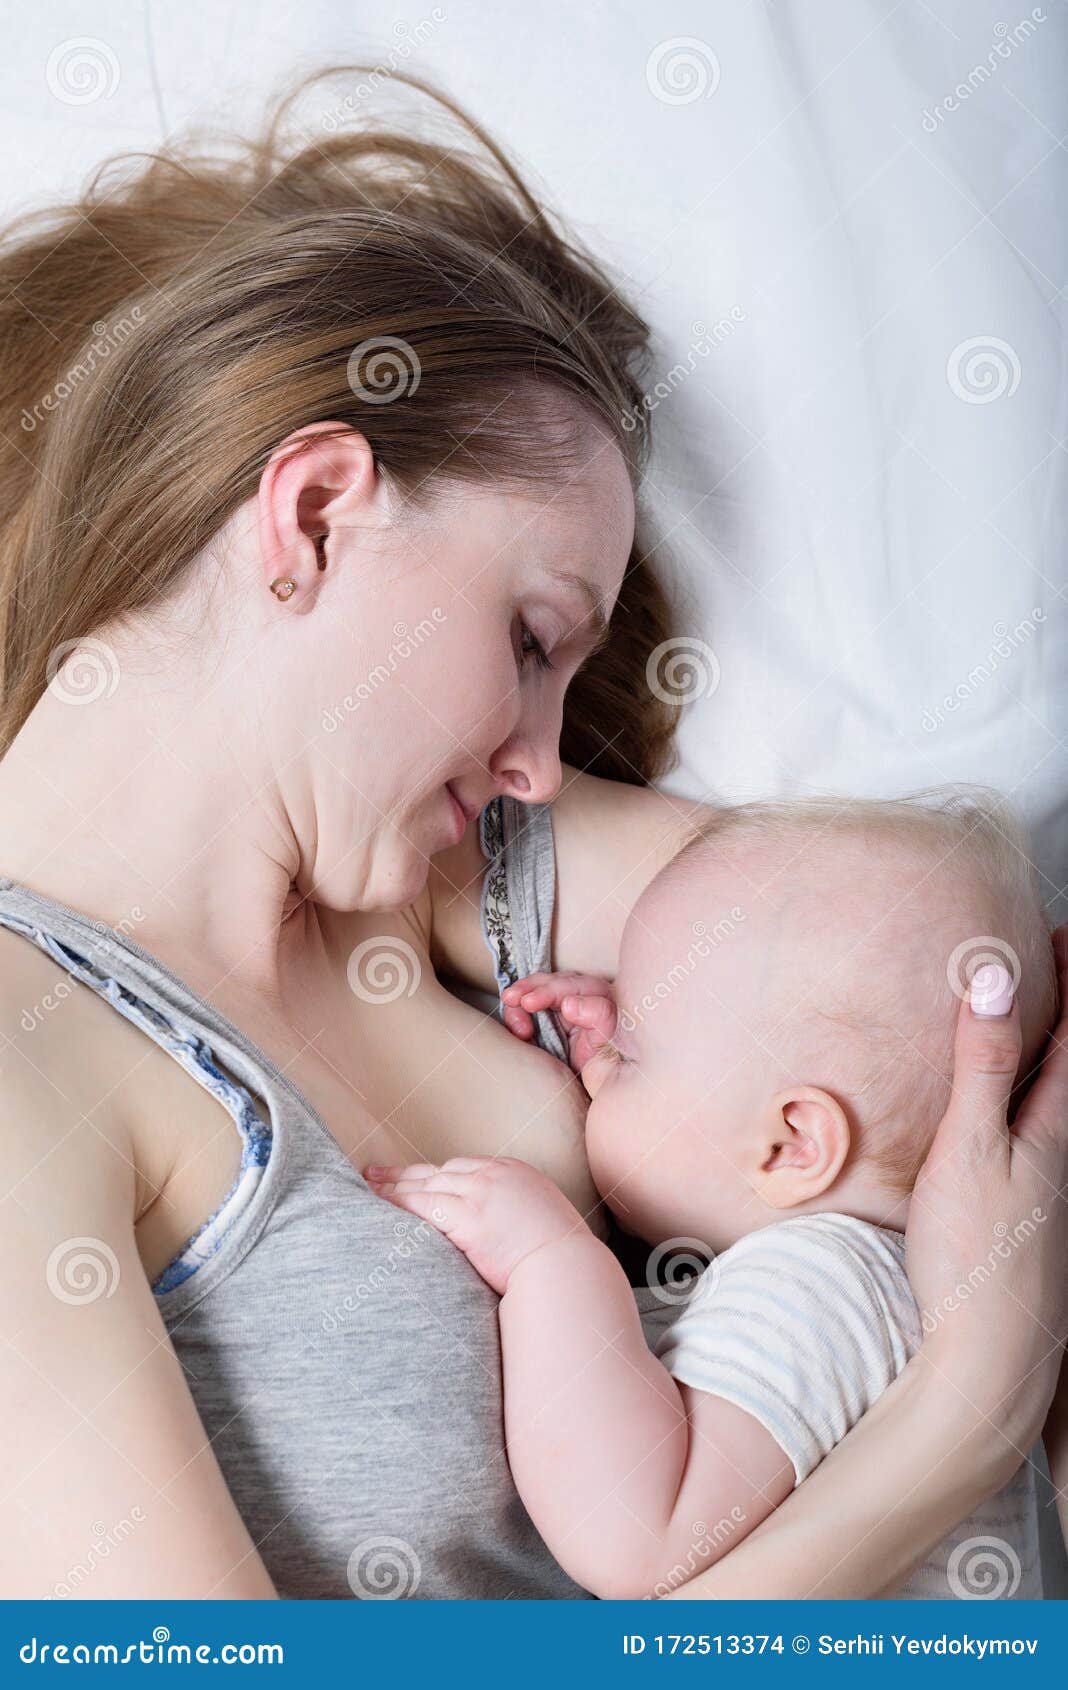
(634, 1482)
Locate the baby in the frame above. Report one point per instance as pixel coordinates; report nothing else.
(765, 1076)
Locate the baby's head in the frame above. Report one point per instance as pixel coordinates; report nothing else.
(788, 992)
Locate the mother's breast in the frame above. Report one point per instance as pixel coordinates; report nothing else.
(448, 1079)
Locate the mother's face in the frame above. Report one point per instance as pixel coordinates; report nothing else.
(463, 629)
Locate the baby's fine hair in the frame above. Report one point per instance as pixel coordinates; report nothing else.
(997, 917)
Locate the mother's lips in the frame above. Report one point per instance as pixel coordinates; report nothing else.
(469, 808)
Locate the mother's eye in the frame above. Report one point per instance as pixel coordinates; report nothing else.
(531, 647)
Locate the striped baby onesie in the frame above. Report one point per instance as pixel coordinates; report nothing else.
(803, 1325)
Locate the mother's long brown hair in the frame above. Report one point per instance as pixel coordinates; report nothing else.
(160, 337)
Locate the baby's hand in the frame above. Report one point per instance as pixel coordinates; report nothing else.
(583, 1002)
(495, 1209)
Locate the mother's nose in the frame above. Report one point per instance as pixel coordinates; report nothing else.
(529, 769)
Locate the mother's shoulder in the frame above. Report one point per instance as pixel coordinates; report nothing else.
(62, 1052)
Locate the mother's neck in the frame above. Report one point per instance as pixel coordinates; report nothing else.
(153, 808)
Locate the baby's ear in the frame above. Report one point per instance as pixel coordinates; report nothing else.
(804, 1144)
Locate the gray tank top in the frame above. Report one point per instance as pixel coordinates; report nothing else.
(344, 1358)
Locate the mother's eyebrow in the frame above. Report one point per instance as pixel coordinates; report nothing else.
(596, 614)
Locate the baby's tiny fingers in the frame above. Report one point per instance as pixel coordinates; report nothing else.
(376, 1172)
(526, 983)
(386, 1187)
(597, 1012)
(538, 997)
(436, 1207)
(518, 1022)
(455, 1178)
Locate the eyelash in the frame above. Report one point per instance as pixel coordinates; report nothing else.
(538, 653)
(613, 1053)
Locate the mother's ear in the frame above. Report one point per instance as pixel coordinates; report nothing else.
(804, 1141)
(321, 478)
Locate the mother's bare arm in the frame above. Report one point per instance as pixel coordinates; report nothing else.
(610, 841)
(99, 1428)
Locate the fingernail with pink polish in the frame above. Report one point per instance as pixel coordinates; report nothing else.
(992, 990)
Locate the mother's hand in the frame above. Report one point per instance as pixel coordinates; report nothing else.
(987, 1233)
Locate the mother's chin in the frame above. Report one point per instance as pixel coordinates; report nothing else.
(388, 869)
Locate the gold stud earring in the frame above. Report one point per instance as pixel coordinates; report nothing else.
(283, 587)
